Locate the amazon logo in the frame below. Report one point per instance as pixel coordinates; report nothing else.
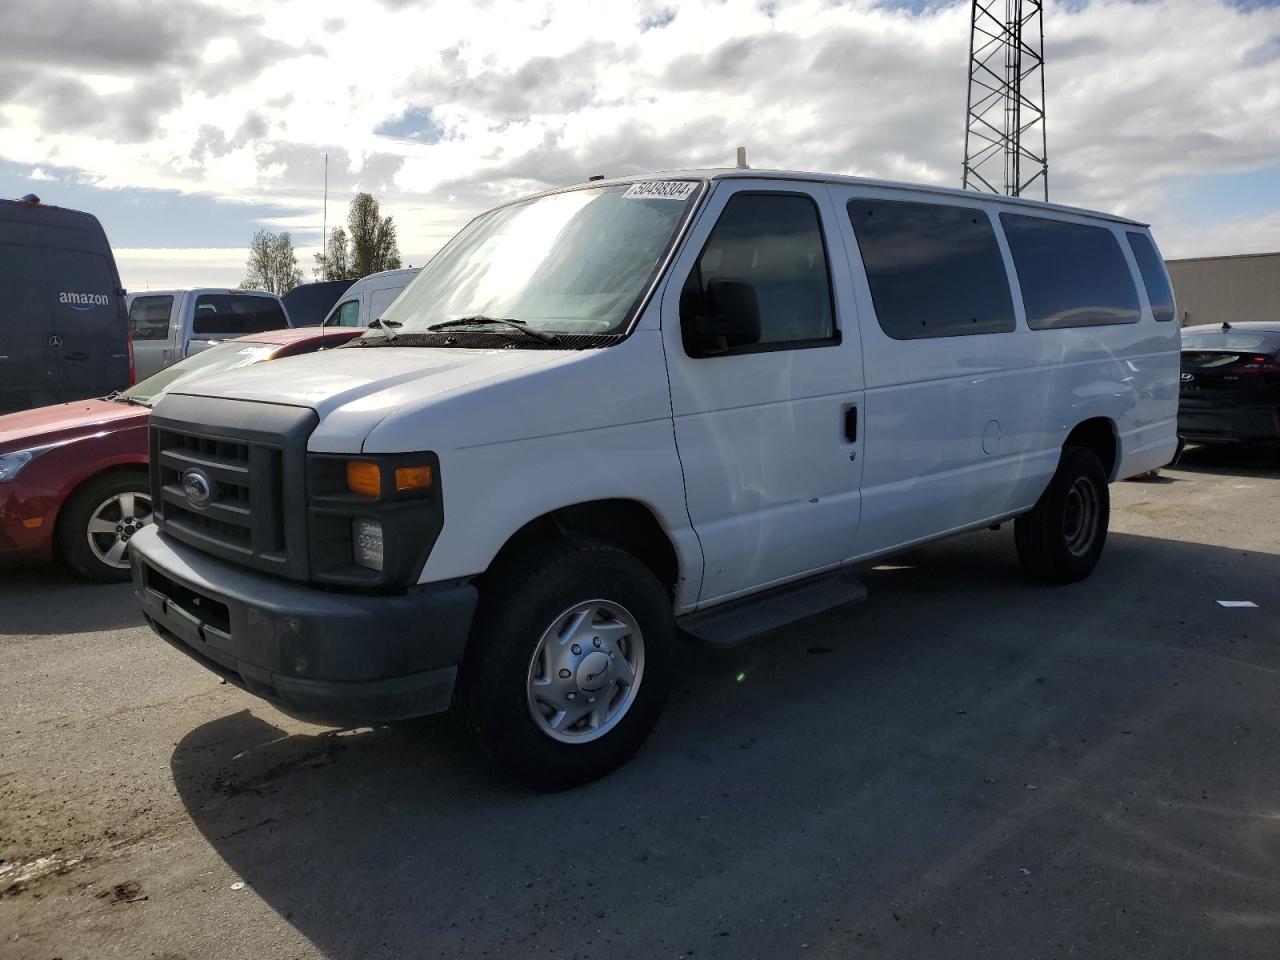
(83, 301)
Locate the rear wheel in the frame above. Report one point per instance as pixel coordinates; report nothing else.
(1061, 538)
(569, 664)
(98, 521)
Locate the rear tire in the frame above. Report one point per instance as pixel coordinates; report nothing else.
(96, 522)
(1061, 538)
(569, 663)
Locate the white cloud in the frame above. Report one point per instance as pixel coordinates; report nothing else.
(1141, 96)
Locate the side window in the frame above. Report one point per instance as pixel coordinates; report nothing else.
(1153, 276)
(1071, 274)
(934, 270)
(234, 314)
(347, 315)
(774, 242)
(149, 318)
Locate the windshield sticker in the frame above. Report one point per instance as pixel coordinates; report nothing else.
(660, 190)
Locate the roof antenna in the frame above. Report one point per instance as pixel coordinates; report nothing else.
(742, 159)
(30, 200)
(1225, 326)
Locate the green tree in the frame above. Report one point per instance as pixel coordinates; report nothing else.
(367, 246)
(272, 264)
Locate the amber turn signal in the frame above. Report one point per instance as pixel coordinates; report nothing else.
(413, 478)
(364, 477)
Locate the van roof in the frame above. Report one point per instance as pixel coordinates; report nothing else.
(385, 274)
(740, 173)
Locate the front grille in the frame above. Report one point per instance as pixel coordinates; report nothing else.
(250, 460)
(245, 481)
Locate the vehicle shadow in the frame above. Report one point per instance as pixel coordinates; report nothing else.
(1226, 460)
(36, 601)
(965, 764)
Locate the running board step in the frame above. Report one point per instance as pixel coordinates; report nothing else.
(732, 623)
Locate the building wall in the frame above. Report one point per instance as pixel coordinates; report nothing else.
(1214, 289)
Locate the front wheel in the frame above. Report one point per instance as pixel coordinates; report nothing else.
(1061, 538)
(98, 521)
(569, 664)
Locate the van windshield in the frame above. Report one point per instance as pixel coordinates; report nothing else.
(577, 262)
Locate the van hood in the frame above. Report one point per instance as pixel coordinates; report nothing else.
(354, 389)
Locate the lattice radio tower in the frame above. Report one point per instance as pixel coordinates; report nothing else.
(1005, 147)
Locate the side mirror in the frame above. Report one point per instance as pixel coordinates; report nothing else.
(724, 316)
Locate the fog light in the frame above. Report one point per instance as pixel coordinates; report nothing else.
(366, 543)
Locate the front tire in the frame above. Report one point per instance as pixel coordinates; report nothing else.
(569, 663)
(1061, 538)
(97, 522)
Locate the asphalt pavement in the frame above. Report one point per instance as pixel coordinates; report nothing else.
(964, 765)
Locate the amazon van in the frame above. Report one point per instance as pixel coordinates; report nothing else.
(63, 328)
(612, 415)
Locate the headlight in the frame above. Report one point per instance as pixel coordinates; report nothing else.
(372, 519)
(11, 464)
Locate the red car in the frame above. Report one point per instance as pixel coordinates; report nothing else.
(73, 476)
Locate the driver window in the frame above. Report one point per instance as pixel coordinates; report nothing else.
(774, 242)
(348, 315)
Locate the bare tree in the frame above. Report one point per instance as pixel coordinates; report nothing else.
(372, 245)
(272, 264)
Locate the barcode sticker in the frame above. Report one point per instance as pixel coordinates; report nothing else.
(660, 190)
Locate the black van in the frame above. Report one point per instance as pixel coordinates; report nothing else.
(309, 303)
(63, 326)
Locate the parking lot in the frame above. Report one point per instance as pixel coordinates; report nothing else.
(963, 765)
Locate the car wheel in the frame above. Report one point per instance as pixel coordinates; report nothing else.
(98, 521)
(569, 663)
(1061, 538)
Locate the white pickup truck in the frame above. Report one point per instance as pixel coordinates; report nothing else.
(170, 325)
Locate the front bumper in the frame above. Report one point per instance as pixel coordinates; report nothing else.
(342, 657)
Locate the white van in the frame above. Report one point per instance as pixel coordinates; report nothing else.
(609, 411)
(368, 298)
(170, 325)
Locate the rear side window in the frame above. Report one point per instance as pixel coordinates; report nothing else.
(1071, 274)
(774, 242)
(1153, 275)
(234, 314)
(934, 270)
(149, 318)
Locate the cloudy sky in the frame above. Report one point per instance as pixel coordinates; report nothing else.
(187, 124)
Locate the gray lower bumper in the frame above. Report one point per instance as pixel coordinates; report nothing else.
(338, 656)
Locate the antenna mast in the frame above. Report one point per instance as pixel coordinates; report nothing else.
(1005, 146)
(324, 228)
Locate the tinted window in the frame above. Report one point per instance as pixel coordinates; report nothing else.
(1153, 275)
(234, 314)
(774, 242)
(149, 317)
(348, 315)
(934, 271)
(1071, 274)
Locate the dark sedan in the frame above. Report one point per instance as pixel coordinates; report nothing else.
(73, 476)
(1230, 384)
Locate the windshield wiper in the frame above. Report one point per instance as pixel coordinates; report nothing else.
(521, 325)
(389, 326)
(119, 397)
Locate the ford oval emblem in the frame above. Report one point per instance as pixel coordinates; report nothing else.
(197, 487)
